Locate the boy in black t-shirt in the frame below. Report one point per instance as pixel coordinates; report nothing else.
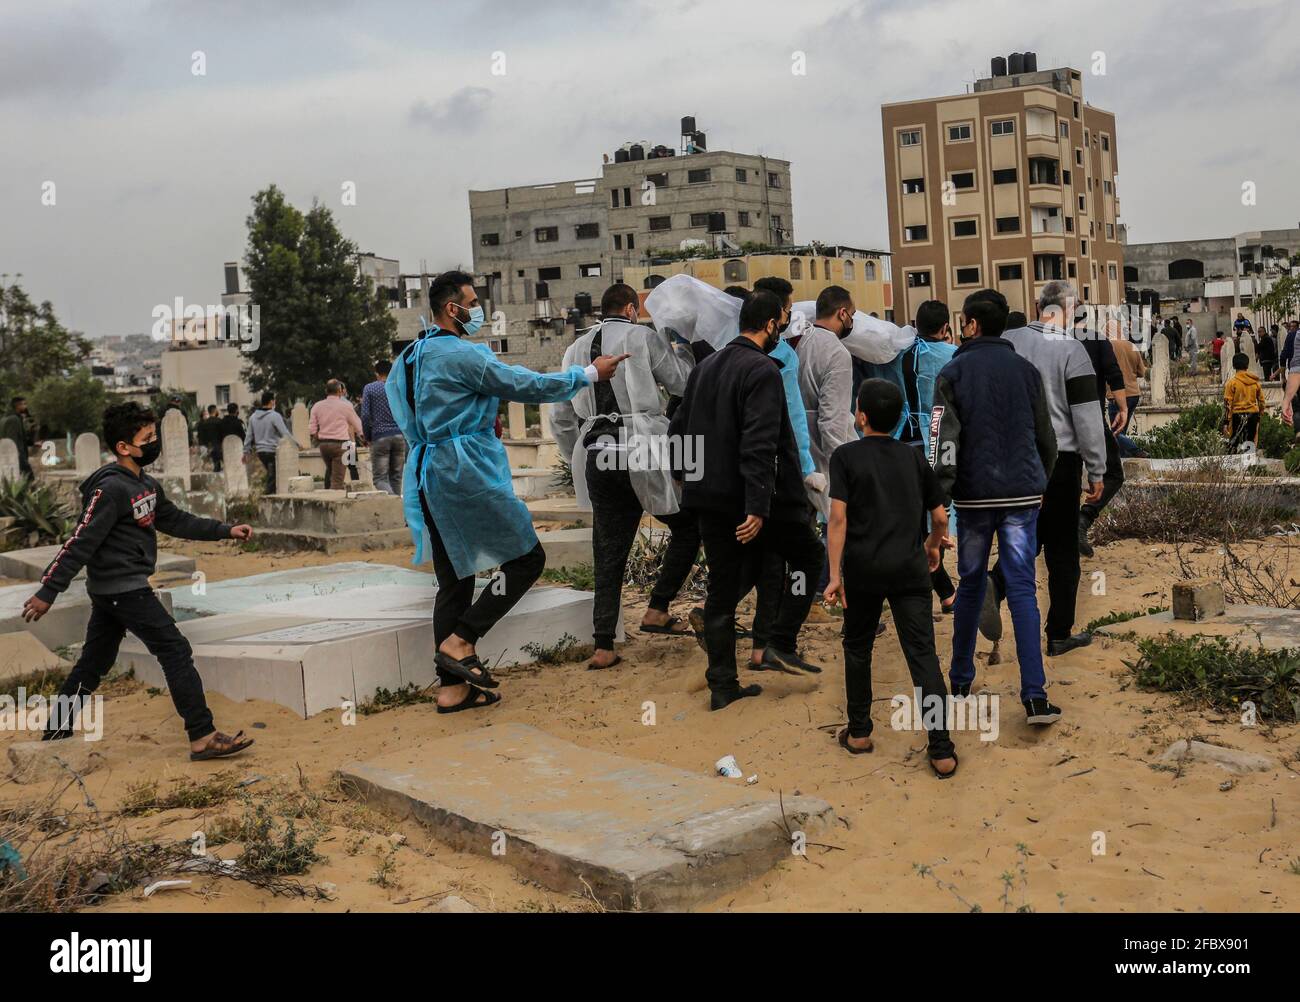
(881, 491)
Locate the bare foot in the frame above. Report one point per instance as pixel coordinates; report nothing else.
(451, 695)
(655, 617)
(859, 744)
(457, 648)
(602, 658)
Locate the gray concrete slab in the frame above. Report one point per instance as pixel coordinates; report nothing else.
(566, 547)
(639, 835)
(63, 625)
(1253, 625)
(30, 564)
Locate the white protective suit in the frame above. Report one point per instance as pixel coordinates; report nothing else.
(826, 385)
(654, 362)
(872, 339)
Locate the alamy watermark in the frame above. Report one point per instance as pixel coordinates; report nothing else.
(636, 453)
(81, 712)
(192, 323)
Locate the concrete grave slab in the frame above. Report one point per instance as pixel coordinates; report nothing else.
(639, 834)
(567, 547)
(1253, 625)
(311, 653)
(63, 625)
(30, 564)
(559, 509)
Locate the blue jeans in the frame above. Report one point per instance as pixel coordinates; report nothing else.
(1017, 532)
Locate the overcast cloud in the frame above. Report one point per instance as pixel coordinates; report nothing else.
(154, 167)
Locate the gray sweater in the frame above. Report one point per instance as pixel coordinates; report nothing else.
(1071, 385)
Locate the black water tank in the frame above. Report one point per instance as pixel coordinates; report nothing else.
(1031, 62)
(699, 141)
(620, 156)
(540, 291)
(1016, 63)
(998, 66)
(688, 125)
(717, 222)
(637, 152)
(582, 302)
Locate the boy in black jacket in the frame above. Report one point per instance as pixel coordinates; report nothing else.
(881, 491)
(116, 541)
(750, 498)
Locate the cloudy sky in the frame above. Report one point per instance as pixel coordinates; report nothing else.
(153, 166)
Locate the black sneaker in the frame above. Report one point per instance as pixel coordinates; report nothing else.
(721, 700)
(961, 690)
(1055, 648)
(1085, 547)
(991, 613)
(791, 659)
(1041, 712)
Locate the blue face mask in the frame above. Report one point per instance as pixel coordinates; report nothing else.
(475, 321)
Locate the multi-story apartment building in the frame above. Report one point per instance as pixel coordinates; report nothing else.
(1006, 187)
(572, 238)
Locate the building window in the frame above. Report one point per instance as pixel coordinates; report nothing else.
(613, 198)
(1048, 267)
(968, 276)
(548, 274)
(1183, 268)
(1004, 127)
(618, 241)
(742, 218)
(773, 179)
(661, 223)
(627, 197)
(965, 228)
(490, 240)
(1087, 294)
(777, 230)
(1069, 224)
(1111, 272)
(589, 271)
(222, 392)
(914, 186)
(1010, 272)
(1065, 130)
(742, 175)
(654, 281)
(1043, 170)
(499, 345)
(1083, 247)
(1083, 204)
(911, 137)
(870, 270)
(1071, 270)
(587, 231)
(1076, 109)
(701, 175)
(848, 271)
(1008, 224)
(658, 180)
(918, 279)
(1006, 175)
(1065, 178)
(796, 269)
(963, 180)
(1078, 158)
(812, 270)
(959, 133)
(734, 272)
(546, 234)
(699, 219)
(1110, 231)
(913, 233)
(631, 241)
(1105, 142)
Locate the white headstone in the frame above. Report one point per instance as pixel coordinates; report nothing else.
(232, 466)
(547, 434)
(9, 468)
(1159, 369)
(299, 419)
(1248, 348)
(176, 447)
(516, 423)
(298, 485)
(86, 453)
(286, 463)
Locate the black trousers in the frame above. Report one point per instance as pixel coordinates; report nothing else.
(735, 568)
(455, 610)
(915, 627)
(1058, 541)
(268, 464)
(214, 451)
(616, 517)
(940, 582)
(1111, 481)
(141, 613)
(1243, 428)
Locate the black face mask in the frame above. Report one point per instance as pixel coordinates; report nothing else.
(770, 344)
(149, 452)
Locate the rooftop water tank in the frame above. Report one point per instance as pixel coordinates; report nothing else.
(998, 66)
(1016, 63)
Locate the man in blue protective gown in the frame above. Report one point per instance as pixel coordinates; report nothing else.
(444, 393)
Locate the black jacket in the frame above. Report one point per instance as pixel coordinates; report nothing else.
(734, 404)
(115, 538)
(991, 437)
(230, 425)
(1102, 356)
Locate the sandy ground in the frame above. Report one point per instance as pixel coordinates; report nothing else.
(1172, 842)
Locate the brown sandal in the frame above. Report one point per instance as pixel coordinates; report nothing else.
(222, 745)
(843, 738)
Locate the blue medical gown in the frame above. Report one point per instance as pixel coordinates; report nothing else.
(789, 360)
(444, 393)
